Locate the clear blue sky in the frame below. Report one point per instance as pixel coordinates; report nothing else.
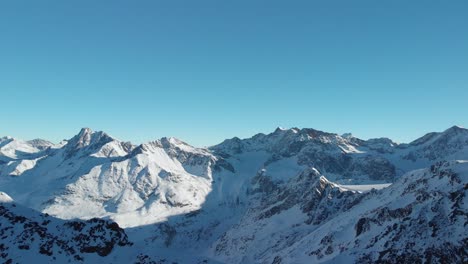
(204, 71)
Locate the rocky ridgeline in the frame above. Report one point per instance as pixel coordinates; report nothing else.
(283, 197)
(26, 235)
(422, 218)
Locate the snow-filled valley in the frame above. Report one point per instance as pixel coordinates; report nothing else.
(291, 196)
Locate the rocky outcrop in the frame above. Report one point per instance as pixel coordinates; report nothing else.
(40, 236)
(421, 218)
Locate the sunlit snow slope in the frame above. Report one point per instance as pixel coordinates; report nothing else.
(291, 196)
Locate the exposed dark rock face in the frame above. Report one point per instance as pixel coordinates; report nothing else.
(87, 142)
(174, 197)
(327, 152)
(437, 146)
(423, 231)
(347, 156)
(422, 218)
(316, 196)
(39, 234)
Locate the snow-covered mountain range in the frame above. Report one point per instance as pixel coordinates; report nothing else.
(291, 196)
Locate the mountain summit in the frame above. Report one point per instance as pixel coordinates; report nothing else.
(290, 196)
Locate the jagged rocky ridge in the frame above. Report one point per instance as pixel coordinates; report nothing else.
(30, 237)
(346, 158)
(421, 218)
(95, 175)
(248, 200)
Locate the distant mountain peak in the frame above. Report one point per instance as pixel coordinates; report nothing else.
(87, 139)
(455, 129)
(173, 141)
(85, 130)
(303, 191)
(280, 129)
(86, 134)
(6, 138)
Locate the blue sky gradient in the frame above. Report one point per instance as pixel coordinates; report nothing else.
(204, 71)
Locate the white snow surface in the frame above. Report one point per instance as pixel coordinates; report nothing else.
(5, 198)
(283, 195)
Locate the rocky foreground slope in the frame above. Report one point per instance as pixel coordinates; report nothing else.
(421, 218)
(292, 196)
(31, 237)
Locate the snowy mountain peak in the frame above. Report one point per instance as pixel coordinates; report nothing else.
(282, 130)
(97, 144)
(87, 136)
(40, 143)
(5, 138)
(173, 142)
(434, 136)
(13, 148)
(457, 127)
(290, 196)
(85, 130)
(166, 143)
(456, 130)
(454, 133)
(88, 140)
(279, 129)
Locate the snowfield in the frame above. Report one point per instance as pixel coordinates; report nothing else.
(291, 196)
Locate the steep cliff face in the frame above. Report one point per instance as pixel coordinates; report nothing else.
(422, 217)
(95, 175)
(292, 196)
(346, 159)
